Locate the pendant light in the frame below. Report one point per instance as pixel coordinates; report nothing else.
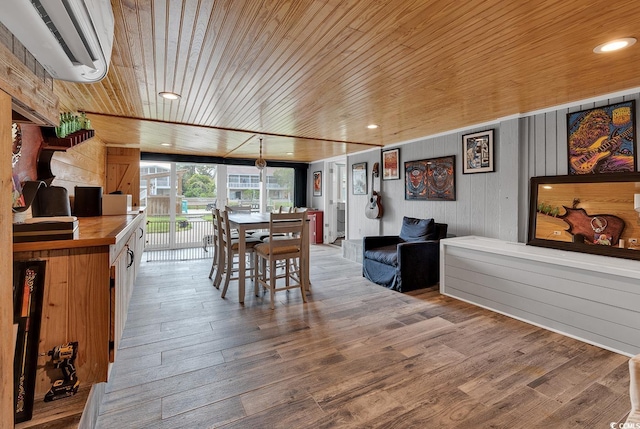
(260, 162)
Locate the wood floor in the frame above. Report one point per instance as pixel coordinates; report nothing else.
(355, 356)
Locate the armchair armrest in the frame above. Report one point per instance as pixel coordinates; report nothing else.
(375, 241)
(419, 263)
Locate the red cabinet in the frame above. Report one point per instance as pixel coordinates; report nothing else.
(315, 226)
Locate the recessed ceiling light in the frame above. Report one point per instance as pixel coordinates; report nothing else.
(614, 45)
(165, 144)
(289, 153)
(372, 126)
(547, 187)
(169, 95)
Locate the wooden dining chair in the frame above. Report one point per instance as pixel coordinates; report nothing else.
(285, 243)
(238, 209)
(229, 252)
(215, 238)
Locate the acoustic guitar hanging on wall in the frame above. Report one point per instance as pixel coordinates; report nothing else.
(373, 209)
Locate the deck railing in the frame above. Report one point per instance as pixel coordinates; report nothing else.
(192, 239)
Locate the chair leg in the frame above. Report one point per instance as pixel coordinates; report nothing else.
(219, 268)
(213, 267)
(227, 272)
(256, 278)
(214, 263)
(287, 273)
(302, 280)
(256, 274)
(272, 283)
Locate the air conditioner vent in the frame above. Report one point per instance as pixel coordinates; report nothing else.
(52, 27)
(72, 39)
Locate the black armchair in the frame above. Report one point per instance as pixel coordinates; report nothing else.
(407, 261)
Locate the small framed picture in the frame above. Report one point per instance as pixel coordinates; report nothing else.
(391, 164)
(359, 178)
(477, 152)
(317, 183)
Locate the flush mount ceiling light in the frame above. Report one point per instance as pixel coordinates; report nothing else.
(169, 95)
(372, 126)
(614, 45)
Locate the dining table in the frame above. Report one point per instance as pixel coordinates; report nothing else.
(244, 222)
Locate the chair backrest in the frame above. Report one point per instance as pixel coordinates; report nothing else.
(224, 229)
(283, 209)
(216, 227)
(286, 232)
(239, 209)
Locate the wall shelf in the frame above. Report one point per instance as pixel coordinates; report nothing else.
(52, 142)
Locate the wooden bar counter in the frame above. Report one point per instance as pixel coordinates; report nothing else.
(88, 283)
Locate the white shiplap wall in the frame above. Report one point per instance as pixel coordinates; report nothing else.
(544, 143)
(486, 203)
(491, 205)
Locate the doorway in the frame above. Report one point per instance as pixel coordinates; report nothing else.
(336, 201)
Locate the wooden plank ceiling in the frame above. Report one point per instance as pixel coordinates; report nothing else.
(310, 75)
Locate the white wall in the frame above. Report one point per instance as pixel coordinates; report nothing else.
(491, 205)
(316, 202)
(486, 204)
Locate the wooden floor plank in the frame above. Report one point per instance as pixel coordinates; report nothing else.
(356, 355)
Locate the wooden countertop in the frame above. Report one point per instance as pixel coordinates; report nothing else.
(92, 231)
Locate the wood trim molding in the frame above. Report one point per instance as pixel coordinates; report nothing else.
(31, 97)
(6, 259)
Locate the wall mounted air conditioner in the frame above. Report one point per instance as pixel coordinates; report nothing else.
(72, 39)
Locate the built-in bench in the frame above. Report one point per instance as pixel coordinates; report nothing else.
(589, 297)
(352, 250)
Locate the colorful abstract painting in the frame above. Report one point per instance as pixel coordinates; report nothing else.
(602, 140)
(431, 179)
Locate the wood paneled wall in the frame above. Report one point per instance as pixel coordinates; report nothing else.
(13, 44)
(123, 172)
(81, 165)
(26, 81)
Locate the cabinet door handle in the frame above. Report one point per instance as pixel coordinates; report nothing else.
(141, 232)
(131, 255)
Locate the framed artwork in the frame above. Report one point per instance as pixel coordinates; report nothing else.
(28, 293)
(477, 152)
(602, 140)
(430, 179)
(391, 164)
(317, 183)
(359, 178)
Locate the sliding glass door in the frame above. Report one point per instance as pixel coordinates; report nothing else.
(179, 199)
